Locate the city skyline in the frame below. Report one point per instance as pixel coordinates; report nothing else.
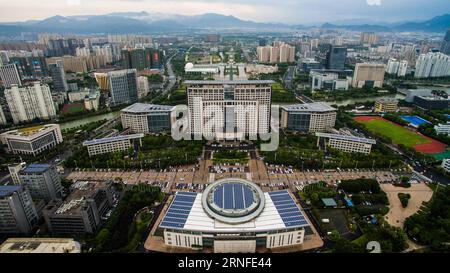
(289, 12)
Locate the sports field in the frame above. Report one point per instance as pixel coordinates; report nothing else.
(401, 135)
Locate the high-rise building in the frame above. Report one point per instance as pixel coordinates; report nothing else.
(432, 64)
(105, 50)
(10, 75)
(140, 58)
(242, 108)
(18, 214)
(4, 59)
(82, 52)
(31, 67)
(14, 171)
(58, 76)
(368, 75)
(278, 53)
(30, 102)
(445, 47)
(42, 180)
(3, 120)
(143, 87)
(369, 38)
(336, 57)
(123, 86)
(402, 68)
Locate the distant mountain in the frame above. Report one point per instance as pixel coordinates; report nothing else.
(436, 24)
(151, 22)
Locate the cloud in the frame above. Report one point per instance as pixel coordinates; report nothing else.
(374, 2)
(284, 11)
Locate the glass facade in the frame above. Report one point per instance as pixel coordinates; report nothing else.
(299, 121)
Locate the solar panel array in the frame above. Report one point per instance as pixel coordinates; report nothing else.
(288, 210)
(233, 196)
(179, 211)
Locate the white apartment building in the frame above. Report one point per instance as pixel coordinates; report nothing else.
(278, 53)
(432, 64)
(111, 144)
(32, 140)
(30, 102)
(105, 50)
(3, 120)
(229, 109)
(443, 128)
(347, 143)
(143, 86)
(402, 68)
(10, 75)
(82, 52)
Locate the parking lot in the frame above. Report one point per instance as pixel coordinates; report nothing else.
(269, 177)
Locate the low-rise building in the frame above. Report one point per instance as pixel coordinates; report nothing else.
(40, 245)
(443, 128)
(347, 143)
(112, 144)
(308, 117)
(446, 164)
(432, 102)
(32, 140)
(82, 211)
(327, 81)
(386, 105)
(147, 118)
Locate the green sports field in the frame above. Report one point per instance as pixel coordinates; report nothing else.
(398, 134)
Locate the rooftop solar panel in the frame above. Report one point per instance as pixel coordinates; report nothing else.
(179, 210)
(287, 209)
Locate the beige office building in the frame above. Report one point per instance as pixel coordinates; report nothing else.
(386, 105)
(40, 245)
(366, 74)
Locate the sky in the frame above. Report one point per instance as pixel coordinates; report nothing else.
(283, 11)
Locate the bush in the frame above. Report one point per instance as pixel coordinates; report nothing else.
(404, 198)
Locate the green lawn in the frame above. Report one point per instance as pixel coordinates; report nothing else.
(399, 135)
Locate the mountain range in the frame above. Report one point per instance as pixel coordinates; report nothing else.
(145, 22)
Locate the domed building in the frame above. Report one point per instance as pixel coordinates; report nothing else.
(234, 215)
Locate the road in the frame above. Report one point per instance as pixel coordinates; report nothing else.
(172, 78)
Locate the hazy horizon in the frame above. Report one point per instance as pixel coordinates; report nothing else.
(288, 11)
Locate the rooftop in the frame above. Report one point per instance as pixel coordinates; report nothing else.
(36, 168)
(30, 131)
(7, 190)
(279, 211)
(145, 108)
(307, 107)
(231, 82)
(347, 137)
(111, 139)
(82, 190)
(40, 245)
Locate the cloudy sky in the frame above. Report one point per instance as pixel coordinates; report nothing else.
(285, 11)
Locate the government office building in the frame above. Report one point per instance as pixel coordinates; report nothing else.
(234, 215)
(308, 117)
(239, 108)
(33, 140)
(147, 118)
